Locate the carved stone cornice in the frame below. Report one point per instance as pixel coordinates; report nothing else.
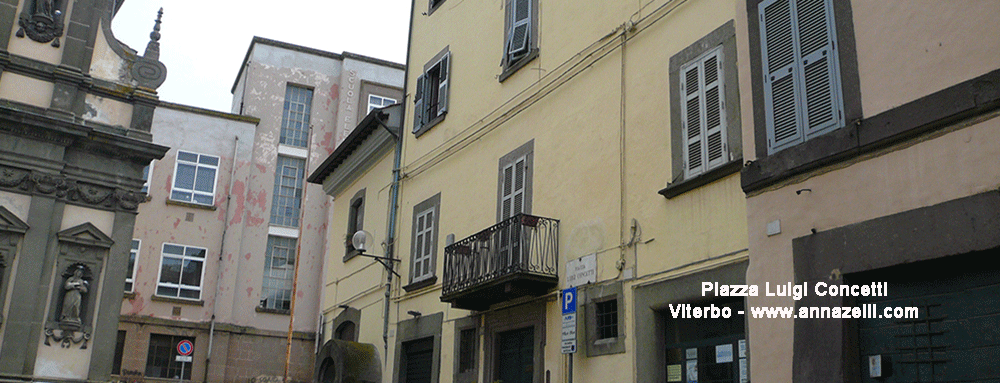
(68, 189)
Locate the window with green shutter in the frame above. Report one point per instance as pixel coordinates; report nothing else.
(802, 96)
(430, 98)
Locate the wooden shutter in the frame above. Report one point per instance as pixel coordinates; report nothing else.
(816, 39)
(703, 118)
(801, 78)
(423, 245)
(779, 63)
(442, 86)
(520, 28)
(418, 104)
(691, 121)
(715, 110)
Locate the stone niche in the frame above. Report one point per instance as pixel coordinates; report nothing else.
(78, 268)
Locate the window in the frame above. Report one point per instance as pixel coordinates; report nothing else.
(696, 344)
(295, 116)
(161, 361)
(607, 319)
(279, 269)
(802, 97)
(520, 35)
(133, 255)
(194, 178)
(514, 183)
(431, 95)
(424, 243)
(603, 314)
(147, 174)
(467, 350)
(287, 191)
(433, 5)
(705, 134)
(378, 102)
(355, 222)
(181, 269)
(422, 254)
(703, 113)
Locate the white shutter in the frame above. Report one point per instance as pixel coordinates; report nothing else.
(703, 117)
(816, 34)
(520, 28)
(418, 104)
(445, 69)
(507, 192)
(423, 245)
(778, 55)
(691, 120)
(715, 109)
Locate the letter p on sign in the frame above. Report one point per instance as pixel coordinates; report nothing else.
(569, 301)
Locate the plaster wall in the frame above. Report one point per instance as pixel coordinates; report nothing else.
(265, 96)
(76, 215)
(105, 63)
(351, 104)
(19, 204)
(107, 111)
(359, 282)
(12, 86)
(160, 222)
(895, 181)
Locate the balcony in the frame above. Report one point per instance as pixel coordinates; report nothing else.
(517, 257)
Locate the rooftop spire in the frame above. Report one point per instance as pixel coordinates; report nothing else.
(153, 48)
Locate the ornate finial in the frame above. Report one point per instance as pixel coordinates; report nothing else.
(153, 48)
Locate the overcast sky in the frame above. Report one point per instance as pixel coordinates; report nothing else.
(204, 41)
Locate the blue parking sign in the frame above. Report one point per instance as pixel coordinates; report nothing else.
(569, 301)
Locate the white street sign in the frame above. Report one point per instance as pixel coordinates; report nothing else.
(581, 271)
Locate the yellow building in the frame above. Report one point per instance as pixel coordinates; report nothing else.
(551, 146)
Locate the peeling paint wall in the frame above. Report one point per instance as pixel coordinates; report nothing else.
(107, 111)
(106, 64)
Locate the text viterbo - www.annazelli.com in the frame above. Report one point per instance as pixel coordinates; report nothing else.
(865, 311)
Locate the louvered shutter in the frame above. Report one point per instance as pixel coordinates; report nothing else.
(816, 35)
(514, 178)
(418, 104)
(442, 89)
(715, 110)
(520, 29)
(507, 192)
(703, 118)
(779, 64)
(691, 121)
(418, 247)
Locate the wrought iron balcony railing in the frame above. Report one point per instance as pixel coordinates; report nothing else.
(521, 247)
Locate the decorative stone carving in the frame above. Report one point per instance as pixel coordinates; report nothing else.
(147, 70)
(69, 327)
(69, 189)
(76, 289)
(42, 21)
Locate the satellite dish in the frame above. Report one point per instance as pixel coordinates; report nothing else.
(361, 240)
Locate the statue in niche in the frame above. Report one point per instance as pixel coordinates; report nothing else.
(76, 289)
(42, 21)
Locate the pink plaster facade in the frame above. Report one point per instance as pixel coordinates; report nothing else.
(248, 341)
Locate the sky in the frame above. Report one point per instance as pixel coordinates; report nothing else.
(204, 41)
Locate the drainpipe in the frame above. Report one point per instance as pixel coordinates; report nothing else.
(394, 196)
(222, 248)
(391, 237)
